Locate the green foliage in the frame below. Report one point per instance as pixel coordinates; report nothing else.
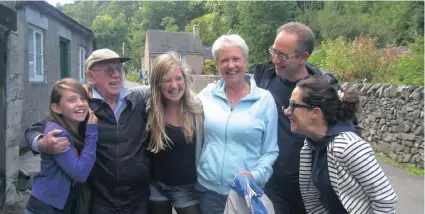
(357, 39)
(210, 68)
(263, 18)
(397, 23)
(211, 26)
(169, 24)
(361, 59)
(110, 32)
(131, 77)
(409, 68)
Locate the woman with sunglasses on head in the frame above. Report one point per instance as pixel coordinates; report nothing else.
(174, 136)
(338, 170)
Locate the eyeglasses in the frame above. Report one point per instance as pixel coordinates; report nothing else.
(280, 55)
(292, 106)
(110, 69)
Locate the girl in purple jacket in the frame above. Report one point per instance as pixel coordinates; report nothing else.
(53, 187)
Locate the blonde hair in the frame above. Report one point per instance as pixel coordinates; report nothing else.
(190, 106)
(55, 98)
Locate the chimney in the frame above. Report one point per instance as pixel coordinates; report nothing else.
(196, 30)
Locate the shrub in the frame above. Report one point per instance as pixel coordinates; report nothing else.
(131, 77)
(361, 59)
(210, 68)
(409, 67)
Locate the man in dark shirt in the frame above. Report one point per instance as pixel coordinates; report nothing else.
(293, 45)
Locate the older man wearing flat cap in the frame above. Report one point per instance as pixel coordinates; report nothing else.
(119, 180)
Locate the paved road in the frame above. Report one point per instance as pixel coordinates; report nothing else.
(409, 189)
(129, 84)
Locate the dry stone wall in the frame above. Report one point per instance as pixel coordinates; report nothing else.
(392, 120)
(391, 117)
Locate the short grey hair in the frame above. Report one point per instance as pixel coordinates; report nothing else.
(304, 34)
(232, 40)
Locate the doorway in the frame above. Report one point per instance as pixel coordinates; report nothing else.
(64, 58)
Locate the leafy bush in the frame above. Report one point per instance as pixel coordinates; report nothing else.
(361, 60)
(210, 68)
(409, 68)
(131, 77)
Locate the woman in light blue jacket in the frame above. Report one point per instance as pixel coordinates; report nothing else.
(240, 127)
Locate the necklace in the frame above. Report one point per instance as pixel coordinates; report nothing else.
(232, 101)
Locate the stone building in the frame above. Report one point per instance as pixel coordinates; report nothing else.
(42, 46)
(187, 45)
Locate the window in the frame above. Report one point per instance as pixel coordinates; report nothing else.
(35, 54)
(81, 63)
(183, 58)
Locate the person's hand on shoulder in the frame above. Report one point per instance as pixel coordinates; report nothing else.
(50, 144)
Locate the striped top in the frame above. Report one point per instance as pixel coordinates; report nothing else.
(355, 175)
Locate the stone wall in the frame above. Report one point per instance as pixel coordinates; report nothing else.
(14, 106)
(201, 81)
(391, 117)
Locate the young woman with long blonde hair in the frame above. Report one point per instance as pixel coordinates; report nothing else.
(174, 136)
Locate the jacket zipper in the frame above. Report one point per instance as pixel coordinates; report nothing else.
(225, 146)
(118, 178)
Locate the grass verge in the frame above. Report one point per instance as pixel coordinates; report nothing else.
(405, 166)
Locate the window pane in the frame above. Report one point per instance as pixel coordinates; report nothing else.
(38, 64)
(31, 52)
(38, 43)
(31, 64)
(82, 72)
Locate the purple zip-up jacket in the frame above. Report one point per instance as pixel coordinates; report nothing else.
(52, 184)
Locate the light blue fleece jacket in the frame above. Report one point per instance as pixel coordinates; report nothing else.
(244, 138)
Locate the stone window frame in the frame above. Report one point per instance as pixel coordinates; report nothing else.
(81, 59)
(183, 58)
(34, 75)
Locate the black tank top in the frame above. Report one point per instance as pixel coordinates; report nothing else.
(176, 164)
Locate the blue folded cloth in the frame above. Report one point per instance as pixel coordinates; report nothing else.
(246, 187)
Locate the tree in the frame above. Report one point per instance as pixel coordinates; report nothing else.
(110, 32)
(211, 26)
(169, 24)
(258, 22)
(84, 12)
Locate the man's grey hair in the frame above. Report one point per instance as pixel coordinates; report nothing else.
(232, 40)
(305, 35)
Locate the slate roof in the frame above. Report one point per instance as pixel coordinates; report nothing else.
(181, 42)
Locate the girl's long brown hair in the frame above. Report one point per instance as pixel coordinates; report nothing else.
(190, 106)
(56, 96)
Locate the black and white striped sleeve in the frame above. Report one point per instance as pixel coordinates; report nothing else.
(310, 194)
(362, 165)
